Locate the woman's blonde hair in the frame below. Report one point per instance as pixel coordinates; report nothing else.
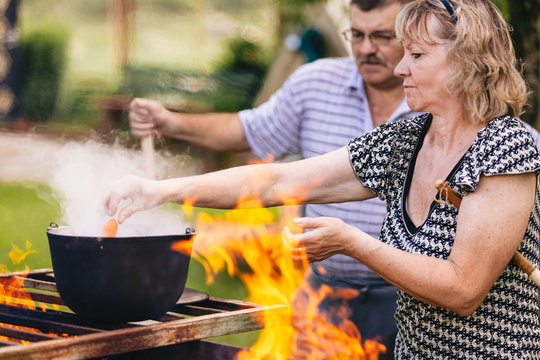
(484, 67)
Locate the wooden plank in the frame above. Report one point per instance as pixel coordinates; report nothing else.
(146, 337)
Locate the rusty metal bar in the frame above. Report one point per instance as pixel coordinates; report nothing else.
(213, 305)
(145, 337)
(46, 326)
(196, 310)
(7, 343)
(39, 284)
(27, 273)
(229, 304)
(29, 283)
(22, 334)
(17, 310)
(171, 316)
(24, 294)
(46, 298)
(59, 316)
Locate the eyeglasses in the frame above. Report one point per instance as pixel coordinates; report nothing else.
(379, 38)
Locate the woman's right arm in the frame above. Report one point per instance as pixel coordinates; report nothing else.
(327, 178)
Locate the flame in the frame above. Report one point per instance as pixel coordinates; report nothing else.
(12, 291)
(183, 246)
(26, 328)
(247, 243)
(17, 255)
(12, 288)
(188, 207)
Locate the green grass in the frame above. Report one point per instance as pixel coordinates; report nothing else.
(24, 217)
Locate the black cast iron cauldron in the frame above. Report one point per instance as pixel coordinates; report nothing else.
(125, 278)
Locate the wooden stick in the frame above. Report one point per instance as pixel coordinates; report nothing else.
(445, 191)
(147, 147)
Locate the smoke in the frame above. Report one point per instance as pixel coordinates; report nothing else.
(81, 173)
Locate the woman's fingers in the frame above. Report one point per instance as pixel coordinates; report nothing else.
(124, 189)
(308, 223)
(126, 212)
(293, 242)
(324, 238)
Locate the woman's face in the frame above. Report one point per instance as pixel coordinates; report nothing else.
(424, 69)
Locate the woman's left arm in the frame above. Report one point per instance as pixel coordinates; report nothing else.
(490, 226)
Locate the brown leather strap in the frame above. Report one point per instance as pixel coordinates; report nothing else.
(446, 193)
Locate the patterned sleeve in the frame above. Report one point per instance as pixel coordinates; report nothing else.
(505, 146)
(377, 157)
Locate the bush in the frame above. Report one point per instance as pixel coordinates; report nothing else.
(81, 100)
(233, 86)
(43, 61)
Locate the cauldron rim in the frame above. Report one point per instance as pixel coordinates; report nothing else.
(62, 232)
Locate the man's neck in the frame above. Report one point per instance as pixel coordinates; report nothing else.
(383, 102)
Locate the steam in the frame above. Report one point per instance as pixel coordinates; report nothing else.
(82, 172)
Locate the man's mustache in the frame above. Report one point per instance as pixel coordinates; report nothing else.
(370, 59)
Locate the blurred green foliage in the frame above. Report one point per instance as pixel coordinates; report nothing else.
(231, 87)
(43, 60)
(82, 104)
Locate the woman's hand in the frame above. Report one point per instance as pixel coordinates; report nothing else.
(329, 236)
(142, 194)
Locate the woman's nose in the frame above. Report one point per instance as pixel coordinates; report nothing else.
(401, 69)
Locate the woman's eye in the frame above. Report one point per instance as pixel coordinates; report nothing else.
(416, 55)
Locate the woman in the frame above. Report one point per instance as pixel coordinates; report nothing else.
(461, 295)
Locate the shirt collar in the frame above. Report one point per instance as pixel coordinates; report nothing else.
(355, 81)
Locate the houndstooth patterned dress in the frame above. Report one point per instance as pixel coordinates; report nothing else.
(506, 324)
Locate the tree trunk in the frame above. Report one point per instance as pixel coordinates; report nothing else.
(524, 17)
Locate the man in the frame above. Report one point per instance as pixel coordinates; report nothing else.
(319, 109)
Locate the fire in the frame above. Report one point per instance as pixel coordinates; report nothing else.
(183, 246)
(247, 242)
(18, 255)
(26, 328)
(12, 288)
(12, 291)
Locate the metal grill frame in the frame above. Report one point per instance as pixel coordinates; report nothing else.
(185, 323)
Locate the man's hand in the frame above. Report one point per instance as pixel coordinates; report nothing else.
(146, 116)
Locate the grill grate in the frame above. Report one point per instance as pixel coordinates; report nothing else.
(62, 335)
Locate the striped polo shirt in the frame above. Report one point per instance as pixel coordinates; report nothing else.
(320, 107)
